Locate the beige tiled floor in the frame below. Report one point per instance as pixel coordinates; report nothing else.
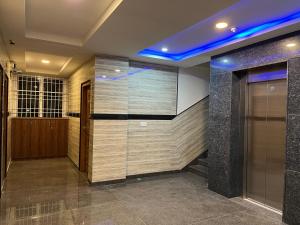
(54, 192)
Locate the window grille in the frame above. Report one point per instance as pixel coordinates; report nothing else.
(37, 96)
(28, 96)
(53, 97)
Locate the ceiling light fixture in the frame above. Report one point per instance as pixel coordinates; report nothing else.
(290, 45)
(164, 49)
(221, 25)
(45, 61)
(117, 70)
(233, 29)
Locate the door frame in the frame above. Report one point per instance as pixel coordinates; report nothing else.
(1, 98)
(5, 77)
(83, 85)
(3, 151)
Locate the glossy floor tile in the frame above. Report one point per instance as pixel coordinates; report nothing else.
(53, 192)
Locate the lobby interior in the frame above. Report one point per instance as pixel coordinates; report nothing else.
(147, 112)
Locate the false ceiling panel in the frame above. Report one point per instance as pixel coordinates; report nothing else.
(63, 21)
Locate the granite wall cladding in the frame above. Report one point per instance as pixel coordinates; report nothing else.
(291, 213)
(225, 126)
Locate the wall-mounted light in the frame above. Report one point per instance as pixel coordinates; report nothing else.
(45, 61)
(221, 25)
(164, 49)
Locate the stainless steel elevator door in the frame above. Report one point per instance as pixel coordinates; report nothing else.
(266, 128)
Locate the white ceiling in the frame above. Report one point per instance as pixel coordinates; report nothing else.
(34, 63)
(63, 21)
(69, 32)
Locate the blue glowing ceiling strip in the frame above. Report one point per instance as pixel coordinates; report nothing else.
(273, 75)
(201, 49)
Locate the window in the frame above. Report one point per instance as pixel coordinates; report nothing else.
(53, 98)
(28, 96)
(39, 96)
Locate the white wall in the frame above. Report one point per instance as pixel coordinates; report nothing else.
(193, 85)
(3, 53)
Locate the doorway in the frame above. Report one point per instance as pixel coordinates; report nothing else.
(266, 103)
(84, 126)
(3, 123)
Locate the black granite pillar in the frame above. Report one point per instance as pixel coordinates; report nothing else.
(225, 155)
(291, 213)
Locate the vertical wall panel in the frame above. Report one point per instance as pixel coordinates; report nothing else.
(191, 132)
(73, 149)
(111, 86)
(167, 145)
(152, 91)
(83, 74)
(109, 150)
(152, 148)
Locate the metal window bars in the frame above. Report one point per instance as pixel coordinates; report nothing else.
(38, 96)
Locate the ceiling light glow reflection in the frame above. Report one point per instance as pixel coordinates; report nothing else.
(221, 25)
(164, 49)
(45, 61)
(291, 45)
(238, 36)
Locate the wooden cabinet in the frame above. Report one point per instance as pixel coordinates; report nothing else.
(35, 138)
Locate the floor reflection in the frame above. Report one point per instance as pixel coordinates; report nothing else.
(53, 192)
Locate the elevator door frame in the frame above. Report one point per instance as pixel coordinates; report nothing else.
(246, 108)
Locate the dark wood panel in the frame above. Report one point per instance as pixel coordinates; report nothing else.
(39, 138)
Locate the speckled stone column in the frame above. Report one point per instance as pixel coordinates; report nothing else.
(226, 164)
(226, 148)
(291, 213)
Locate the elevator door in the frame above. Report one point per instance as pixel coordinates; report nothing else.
(266, 129)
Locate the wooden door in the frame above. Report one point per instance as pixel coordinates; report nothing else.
(84, 126)
(20, 136)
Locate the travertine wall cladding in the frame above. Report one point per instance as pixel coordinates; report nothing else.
(122, 147)
(152, 148)
(111, 86)
(83, 74)
(191, 132)
(152, 91)
(167, 145)
(109, 150)
(74, 131)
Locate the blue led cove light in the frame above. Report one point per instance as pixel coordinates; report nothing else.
(201, 49)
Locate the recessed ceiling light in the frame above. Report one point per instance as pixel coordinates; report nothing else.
(164, 49)
(233, 29)
(221, 25)
(45, 61)
(290, 45)
(117, 70)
